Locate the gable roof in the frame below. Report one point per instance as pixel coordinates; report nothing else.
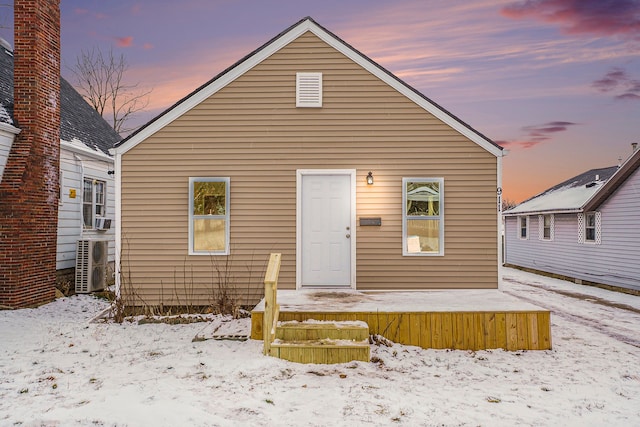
(582, 193)
(624, 171)
(79, 122)
(281, 40)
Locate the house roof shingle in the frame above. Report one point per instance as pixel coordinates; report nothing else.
(78, 120)
(584, 192)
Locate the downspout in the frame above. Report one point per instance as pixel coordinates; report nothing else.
(81, 191)
(118, 183)
(501, 237)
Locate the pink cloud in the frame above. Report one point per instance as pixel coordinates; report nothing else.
(600, 17)
(629, 96)
(610, 80)
(518, 143)
(619, 80)
(541, 131)
(124, 41)
(537, 134)
(83, 12)
(147, 46)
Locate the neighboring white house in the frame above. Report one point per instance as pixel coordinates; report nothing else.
(586, 228)
(87, 191)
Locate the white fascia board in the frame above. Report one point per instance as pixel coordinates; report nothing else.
(275, 46)
(85, 151)
(9, 130)
(545, 212)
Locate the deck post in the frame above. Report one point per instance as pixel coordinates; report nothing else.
(271, 308)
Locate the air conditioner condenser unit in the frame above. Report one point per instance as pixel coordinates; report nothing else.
(91, 265)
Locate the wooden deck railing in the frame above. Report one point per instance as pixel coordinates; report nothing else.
(271, 307)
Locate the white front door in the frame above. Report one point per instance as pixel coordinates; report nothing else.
(325, 228)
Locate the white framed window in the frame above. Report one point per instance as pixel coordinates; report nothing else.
(590, 227)
(94, 201)
(523, 227)
(208, 216)
(423, 216)
(309, 90)
(546, 225)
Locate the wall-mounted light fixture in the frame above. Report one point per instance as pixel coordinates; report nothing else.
(370, 178)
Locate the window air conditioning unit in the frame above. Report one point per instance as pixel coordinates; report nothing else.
(103, 224)
(91, 265)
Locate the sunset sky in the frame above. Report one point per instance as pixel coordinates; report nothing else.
(556, 82)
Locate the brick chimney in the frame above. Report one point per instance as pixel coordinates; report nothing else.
(29, 190)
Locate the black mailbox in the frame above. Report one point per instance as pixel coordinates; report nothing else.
(370, 221)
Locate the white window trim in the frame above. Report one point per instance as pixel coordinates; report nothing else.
(93, 202)
(520, 227)
(440, 217)
(227, 215)
(551, 227)
(309, 90)
(582, 228)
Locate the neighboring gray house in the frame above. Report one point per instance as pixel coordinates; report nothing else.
(586, 228)
(87, 193)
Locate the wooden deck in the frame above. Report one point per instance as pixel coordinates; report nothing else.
(451, 319)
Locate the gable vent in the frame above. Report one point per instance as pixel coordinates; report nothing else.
(308, 89)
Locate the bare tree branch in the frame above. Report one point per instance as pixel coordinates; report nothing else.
(100, 80)
(508, 204)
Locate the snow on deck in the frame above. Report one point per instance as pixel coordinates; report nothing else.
(456, 300)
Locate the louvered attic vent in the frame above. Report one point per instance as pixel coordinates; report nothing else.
(308, 89)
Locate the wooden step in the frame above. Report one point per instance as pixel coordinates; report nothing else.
(320, 330)
(324, 351)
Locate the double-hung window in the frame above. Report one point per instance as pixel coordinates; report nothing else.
(94, 199)
(423, 216)
(590, 227)
(546, 224)
(208, 216)
(523, 227)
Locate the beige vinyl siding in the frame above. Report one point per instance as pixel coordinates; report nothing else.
(252, 132)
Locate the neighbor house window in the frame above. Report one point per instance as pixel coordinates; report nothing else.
(590, 227)
(94, 199)
(523, 227)
(423, 216)
(546, 225)
(208, 216)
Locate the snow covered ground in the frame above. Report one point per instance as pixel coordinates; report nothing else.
(57, 369)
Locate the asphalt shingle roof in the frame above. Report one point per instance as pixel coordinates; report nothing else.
(569, 195)
(78, 120)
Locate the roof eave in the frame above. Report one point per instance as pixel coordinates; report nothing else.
(9, 129)
(543, 212)
(85, 151)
